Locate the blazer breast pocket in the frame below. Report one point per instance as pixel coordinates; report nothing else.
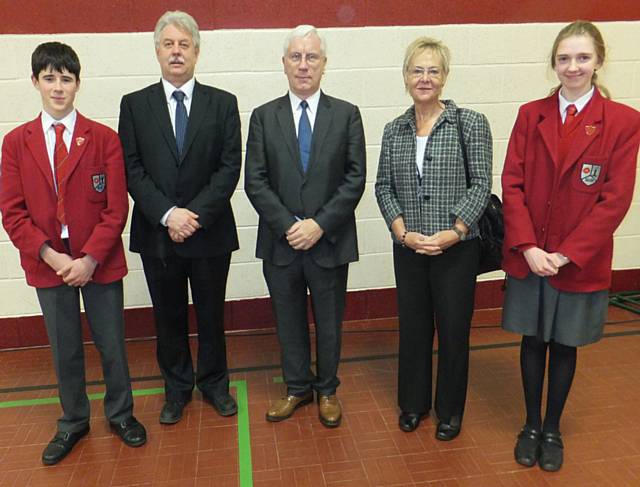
(589, 173)
(95, 183)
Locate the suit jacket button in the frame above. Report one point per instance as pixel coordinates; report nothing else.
(426, 197)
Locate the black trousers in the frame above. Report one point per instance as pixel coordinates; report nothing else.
(103, 305)
(168, 280)
(288, 289)
(435, 292)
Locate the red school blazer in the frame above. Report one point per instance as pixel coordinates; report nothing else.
(572, 207)
(96, 202)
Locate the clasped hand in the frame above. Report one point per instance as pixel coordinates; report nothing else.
(74, 272)
(182, 224)
(543, 263)
(304, 234)
(78, 272)
(431, 244)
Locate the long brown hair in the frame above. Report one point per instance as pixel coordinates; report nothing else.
(582, 28)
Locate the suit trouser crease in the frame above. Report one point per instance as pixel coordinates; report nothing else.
(167, 280)
(104, 310)
(435, 293)
(288, 289)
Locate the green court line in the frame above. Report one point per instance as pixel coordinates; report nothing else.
(55, 400)
(244, 435)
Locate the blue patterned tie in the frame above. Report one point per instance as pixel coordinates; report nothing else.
(181, 120)
(304, 136)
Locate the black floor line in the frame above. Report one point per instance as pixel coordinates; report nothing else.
(258, 368)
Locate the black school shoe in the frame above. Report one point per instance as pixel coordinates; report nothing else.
(409, 421)
(61, 445)
(551, 455)
(448, 431)
(171, 412)
(224, 403)
(130, 431)
(528, 446)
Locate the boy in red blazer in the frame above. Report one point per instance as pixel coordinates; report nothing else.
(64, 205)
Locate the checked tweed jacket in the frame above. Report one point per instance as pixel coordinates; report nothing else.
(433, 203)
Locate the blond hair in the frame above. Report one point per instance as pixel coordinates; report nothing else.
(427, 43)
(582, 28)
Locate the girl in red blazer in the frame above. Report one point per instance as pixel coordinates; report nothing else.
(567, 184)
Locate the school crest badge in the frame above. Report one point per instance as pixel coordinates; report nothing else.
(99, 182)
(590, 173)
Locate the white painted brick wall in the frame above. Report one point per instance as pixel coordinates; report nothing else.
(495, 68)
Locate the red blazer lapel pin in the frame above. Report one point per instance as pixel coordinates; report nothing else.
(80, 141)
(590, 129)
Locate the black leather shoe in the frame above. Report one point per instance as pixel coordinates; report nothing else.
(527, 446)
(409, 421)
(448, 431)
(171, 412)
(551, 455)
(130, 431)
(224, 403)
(60, 446)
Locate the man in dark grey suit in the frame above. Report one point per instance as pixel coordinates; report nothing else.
(305, 173)
(182, 150)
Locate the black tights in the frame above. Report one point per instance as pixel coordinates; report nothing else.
(562, 367)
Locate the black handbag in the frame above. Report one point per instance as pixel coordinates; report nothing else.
(491, 223)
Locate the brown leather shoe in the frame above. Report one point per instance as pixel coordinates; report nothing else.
(330, 411)
(284, 407)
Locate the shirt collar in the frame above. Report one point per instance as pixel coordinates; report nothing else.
(580, 103)
(69, 121)
(449, 114)
(313, 101)
(186, 88)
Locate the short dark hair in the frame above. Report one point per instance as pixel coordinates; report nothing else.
(57, 56)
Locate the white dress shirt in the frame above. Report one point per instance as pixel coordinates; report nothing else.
(421, 146)
(580, 103)
(187, 89)
(312, 108)
(69, 123)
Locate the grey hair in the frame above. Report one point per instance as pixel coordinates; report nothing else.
(303, 31)
(183, 21)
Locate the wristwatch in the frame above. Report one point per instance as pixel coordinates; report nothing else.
(461, 235)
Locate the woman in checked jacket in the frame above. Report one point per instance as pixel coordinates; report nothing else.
(423, 196)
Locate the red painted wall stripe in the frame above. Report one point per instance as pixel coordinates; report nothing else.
(46, 17)
(251, 314)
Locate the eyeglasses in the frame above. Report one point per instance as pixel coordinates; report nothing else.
(311, 58)
(418, 72)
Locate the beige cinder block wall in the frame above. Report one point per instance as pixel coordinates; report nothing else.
(495, 69)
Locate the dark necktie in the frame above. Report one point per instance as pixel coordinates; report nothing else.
(304, 136)
(60, 156)
(181, 120)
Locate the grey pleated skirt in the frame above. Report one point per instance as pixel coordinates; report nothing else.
(533, 307)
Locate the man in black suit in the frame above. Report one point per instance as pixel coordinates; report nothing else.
(305, 173)
(182, 151)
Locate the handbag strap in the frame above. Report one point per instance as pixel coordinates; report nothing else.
(463, 146)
